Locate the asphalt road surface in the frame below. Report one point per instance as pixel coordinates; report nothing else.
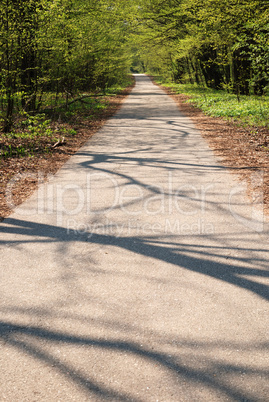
(139, 272)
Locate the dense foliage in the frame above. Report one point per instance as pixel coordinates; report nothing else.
(214, 43)
(58, 47)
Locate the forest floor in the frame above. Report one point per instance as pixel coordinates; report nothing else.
(241, 149)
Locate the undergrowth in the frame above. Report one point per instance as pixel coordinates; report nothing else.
(251, 110)
(37, 133)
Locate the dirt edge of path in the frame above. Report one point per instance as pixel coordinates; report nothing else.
(243, 150)
(20, 177)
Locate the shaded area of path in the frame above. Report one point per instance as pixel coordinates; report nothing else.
(138, 273)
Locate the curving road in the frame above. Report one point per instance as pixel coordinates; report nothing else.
(139, 272)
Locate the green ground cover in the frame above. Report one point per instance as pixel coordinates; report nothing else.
(251, 110)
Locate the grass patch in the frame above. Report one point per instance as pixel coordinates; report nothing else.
(251, 110)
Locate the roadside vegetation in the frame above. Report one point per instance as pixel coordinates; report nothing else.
(249, 110)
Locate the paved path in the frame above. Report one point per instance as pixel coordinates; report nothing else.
(138, 273)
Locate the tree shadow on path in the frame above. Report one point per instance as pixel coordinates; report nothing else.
(178, 254)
